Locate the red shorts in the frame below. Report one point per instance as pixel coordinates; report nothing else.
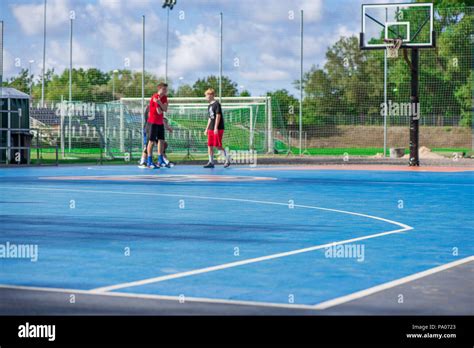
(215, 139)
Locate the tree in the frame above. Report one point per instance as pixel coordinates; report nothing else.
(285, 106)
(185, 91)
(464, 97)
(229, 88)
(36, 89)
(129, 84)
(321, 100)
(96, 77)
(351, 83)
(21, 82)
(444, 71)
(356, 75)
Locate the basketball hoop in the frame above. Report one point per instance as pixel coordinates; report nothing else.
(393, 47)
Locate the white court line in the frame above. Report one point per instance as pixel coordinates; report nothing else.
(50, 188)
(318, 307)
(235, 264)
(391, 284)
(160, 297)
(231, 264)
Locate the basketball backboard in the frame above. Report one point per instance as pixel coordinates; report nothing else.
(382, 23)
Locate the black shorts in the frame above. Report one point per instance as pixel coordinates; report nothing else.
(155, 132)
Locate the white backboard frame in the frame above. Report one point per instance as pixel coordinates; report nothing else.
(406, 43)
(407, 24)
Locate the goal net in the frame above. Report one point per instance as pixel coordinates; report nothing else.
(115, 129)
(247, 125)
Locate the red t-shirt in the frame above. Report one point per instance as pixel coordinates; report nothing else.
(155, 115)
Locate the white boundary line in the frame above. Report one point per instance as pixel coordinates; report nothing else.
(231, 264)
(141, 177)
(391, 284)
(320, 306)
(317, 307)
(399, 224)
(234, 264)
(159, 297)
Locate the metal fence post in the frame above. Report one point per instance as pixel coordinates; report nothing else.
(301, 88)
(101, 147)
(57, 154)
(9, 132)
(37, 147)
(130, 144)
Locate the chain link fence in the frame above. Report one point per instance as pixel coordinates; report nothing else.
(342, 98)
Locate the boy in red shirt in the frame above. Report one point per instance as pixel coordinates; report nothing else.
(155, 127)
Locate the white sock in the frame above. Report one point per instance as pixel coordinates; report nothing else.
(224, 154)
(211, 159)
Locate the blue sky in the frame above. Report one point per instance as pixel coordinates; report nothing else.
(261, 37)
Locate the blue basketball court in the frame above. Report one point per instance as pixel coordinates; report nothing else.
(269, 239)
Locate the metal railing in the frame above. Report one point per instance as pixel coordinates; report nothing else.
(23, 147)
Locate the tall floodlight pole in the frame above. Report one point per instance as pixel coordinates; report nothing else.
(168, 4)
(1, 55)
(44, 55)
(71, 18)
(301, 88)
(220, 55)
(180, 81)
(167, 42)
(385, 69)
(31, 61)
(414, 120)
(113, 83)
(143, 69)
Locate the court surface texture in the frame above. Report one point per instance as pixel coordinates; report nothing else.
(312, 240)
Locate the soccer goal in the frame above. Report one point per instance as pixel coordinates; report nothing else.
(91, 129)
(248, 122)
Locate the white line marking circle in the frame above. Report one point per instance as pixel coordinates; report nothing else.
(105, 289)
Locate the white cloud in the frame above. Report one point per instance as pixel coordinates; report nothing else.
(121, 6)
(30, 17)
(272, 61)
(258, 32)
(315, 46)
(135, 59)
(266, 75)
(111, 5)
(113, 35)
(126, 32)
(343, 30)
(57, 56)
(9, 68)
(313, 10)
(271, 11)
(197, 50)
(91, 11)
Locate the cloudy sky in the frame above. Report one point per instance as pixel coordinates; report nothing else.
(261, 37)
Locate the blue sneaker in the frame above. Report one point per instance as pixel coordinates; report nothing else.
(152, 166)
